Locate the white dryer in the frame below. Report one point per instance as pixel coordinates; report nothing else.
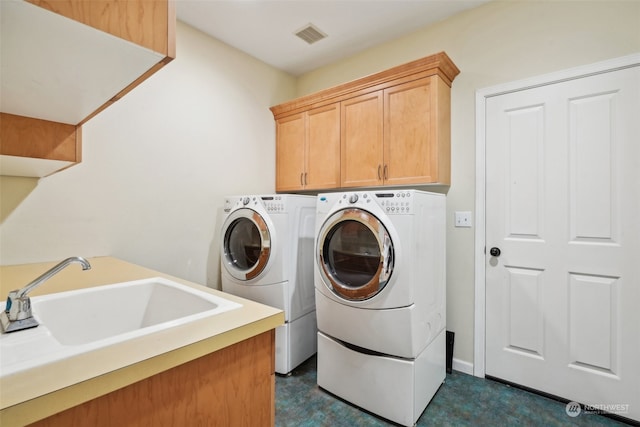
(267, 256)
(381, 299)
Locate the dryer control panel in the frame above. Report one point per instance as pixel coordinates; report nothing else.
(392, 202)
(399, 202)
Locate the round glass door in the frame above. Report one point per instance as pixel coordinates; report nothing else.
(246, 244)
(355, 254)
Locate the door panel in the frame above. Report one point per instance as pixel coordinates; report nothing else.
(593, 335)
(592, 157)
(526, 331)
(563, 202)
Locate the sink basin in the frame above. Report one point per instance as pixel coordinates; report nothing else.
(88, 315)
(86, 319)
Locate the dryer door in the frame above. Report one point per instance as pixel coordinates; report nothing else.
(355, 254)
(246, 244)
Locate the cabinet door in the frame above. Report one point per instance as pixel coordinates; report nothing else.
(410, 133)
(361, 159)
(290, 138)
(323, 148)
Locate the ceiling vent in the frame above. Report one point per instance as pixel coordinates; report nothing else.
(310, 34)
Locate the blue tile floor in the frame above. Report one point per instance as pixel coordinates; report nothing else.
(463, 400)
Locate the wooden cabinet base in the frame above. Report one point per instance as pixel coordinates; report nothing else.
(234, 386)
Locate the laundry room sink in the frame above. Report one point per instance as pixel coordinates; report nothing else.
(82, 320)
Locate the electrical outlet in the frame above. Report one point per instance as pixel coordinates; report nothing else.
(463, 219)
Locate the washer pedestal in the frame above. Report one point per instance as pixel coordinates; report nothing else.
(394, 388)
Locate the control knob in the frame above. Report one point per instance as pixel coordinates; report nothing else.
(353, 198)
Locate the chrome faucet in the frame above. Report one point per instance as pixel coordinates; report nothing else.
(17, 312)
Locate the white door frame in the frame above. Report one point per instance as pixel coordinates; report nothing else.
(480, 217)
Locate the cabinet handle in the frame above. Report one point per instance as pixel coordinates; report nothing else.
(385, 172)
(305, 179)
(379, 176)
(301, 179)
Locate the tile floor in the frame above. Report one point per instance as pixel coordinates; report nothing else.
(463, 400)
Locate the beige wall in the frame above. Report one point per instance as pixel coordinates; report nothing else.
(158, 163)
(156, 167)
(496, 43)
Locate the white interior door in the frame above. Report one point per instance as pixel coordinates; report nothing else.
(563, 207)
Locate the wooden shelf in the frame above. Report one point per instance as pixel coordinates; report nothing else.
(64, 61)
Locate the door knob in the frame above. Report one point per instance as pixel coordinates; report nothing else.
(495, 251)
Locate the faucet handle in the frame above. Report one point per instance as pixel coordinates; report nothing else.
(10, 297)
(18, 308)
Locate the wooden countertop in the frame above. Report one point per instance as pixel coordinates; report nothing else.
(36, 393)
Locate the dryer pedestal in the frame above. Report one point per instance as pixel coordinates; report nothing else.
(295, 342)
(394, 388)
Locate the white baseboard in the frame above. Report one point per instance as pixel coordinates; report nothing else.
(462, 366)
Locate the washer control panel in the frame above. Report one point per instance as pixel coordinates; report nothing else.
(271, 203)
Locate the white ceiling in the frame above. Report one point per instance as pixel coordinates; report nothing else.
(265, 28)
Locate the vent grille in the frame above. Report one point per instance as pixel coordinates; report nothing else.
(310, 34)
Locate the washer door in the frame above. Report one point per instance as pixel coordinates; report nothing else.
(355, 254)
(246, 244)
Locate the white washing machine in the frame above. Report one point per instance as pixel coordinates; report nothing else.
(381, 299)
(267, 256)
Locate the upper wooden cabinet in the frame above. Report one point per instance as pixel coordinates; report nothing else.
(64, 61)
(394, 125)
(362, 141)
(308, 150)
(417, 132)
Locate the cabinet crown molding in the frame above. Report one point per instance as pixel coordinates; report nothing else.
(438, 64)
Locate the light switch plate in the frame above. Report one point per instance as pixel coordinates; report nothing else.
(463, 219)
